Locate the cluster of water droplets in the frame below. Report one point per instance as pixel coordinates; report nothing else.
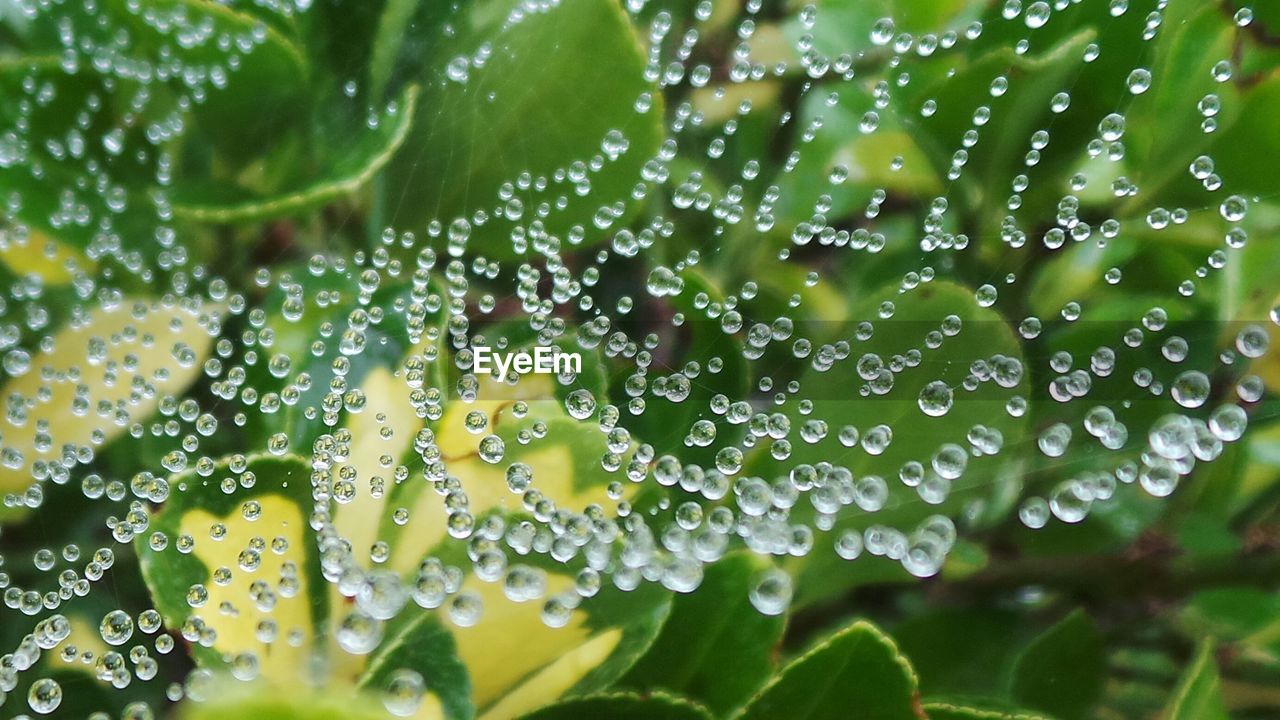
(190, 371)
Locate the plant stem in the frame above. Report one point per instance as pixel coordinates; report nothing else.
(1159, 576)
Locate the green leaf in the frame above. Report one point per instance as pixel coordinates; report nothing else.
(713, 626)
(517, 663)
(1243, 615)
(983, 334)
(965, 651)
(1199, 692)
(1074, 272)
(350, 170)
(1236, 146)
(394, 23)
(1033, 79)
(1166, 125)
(265, 94)
(426, 647)
(1061, 672)
(207, 527)
(43, 181)
(856, 672)
(339, 36)
(947, 711)
(557, 83)
(622, 706)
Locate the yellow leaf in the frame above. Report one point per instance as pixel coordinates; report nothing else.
(231, 609)
(485, 484)
(493, 399)
(109, 369)
(87, 640)
(387, 408)
(517, 662)
(358, 520)
(556, 679)
(40, 255)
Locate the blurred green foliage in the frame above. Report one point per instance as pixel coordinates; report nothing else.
(1147, 609)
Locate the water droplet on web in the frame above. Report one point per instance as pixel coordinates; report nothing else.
(404, 693)
(771, 592)
(116, 627)
(1139, 81)
(1037, 14)
(936, 399)
(44, 696)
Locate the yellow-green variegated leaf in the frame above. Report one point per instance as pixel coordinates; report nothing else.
(109, 368)
(565, 465)
(423, 649)
(381, 434)
(242, 701)
(565, 462)
(35, 253)
(623, 706)
(516, 661)
(232, 563)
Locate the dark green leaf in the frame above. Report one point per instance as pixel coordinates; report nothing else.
(265, 95)
(963, 651)
(837, 399)
(1235, 151)
(393, 25)
(722, 369)
(1199, 693)
(351, 169)
(622, 706)
(1248, 616)
(207, 528)
(1061, 672)
(712, 627)
(947, 711)
(857, 672)
(427, 648)
(556, 85)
